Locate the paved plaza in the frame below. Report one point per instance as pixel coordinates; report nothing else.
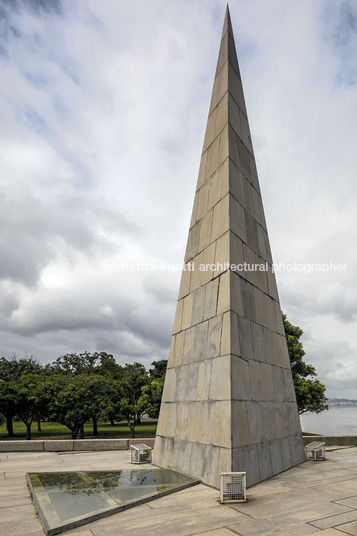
(314, 498)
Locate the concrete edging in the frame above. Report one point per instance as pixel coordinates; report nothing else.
(77, 445)
(342, 441)
(69, 445)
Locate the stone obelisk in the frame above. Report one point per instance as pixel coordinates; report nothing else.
(229, 401)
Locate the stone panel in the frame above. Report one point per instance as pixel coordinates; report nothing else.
(196, 272)
(211, 299)
(222, 258)
(21, 446)
(191, 382)
(220, 218)
(193, 242)
(210, 129)
(223, 152)
(202, 170)
(224, 293)
(201, 341)
(99, 444)
(245, 137)
(235, 340)
(205, 230)
(212, 157)
(61, 445)
(182, 420)
(203, 200)
(240, 379)
(178, 351)
(235, 88)
(215, 189)
(221, 370)
(214, 336)
(185, 284)
(265, 462)
(240, 428)
(220, 86)
(187, 311)
(254, 422)
(245, 338)
(236, 252)
(208, 260)
(178, 317)
(237, 220)
(222, 429)
(181, 377)
(236, 300)
(258, 341)
(204, 379)
(189, 344)
(207, 418)
(171, 420)
(248, 306)
(226, 334)
(170, 385)
(198, 304)
(221, 114)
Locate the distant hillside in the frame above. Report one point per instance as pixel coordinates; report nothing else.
(341, 402)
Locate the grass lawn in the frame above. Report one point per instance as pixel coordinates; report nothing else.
(55, 430)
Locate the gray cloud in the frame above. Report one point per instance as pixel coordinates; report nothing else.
(340, 32)
(103, 108)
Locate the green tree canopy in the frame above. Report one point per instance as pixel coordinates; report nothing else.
(152, 392)
(78, 398)
(33, 394)
(310, 393)
(11, 370)
(132, 406)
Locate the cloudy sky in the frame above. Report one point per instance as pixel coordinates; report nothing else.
(103, 107)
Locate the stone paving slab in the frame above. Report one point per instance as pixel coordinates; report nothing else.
(349, 528)
(290, 504)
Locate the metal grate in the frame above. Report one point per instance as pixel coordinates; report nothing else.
(140, 453)
(233, 487)
(315, 451)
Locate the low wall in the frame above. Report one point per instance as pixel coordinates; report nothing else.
(330, 441)
(68, 445)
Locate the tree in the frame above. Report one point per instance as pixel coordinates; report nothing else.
(86, 363)
(33, 393)
(151, 397)
(158, 369)
(77, 399)
(131, 405)
(151, 393)
(310, 393)
(10, 372)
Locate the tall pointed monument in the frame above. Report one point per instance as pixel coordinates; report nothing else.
(228, 402)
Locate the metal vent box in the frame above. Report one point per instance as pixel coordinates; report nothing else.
(140, 453)
(233, 487)
(315, 451)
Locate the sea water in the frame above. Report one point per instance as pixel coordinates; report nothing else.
(338, 420)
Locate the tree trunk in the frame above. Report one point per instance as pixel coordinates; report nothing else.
(39, 425)
(28, 430)
(81, 432)
(112, 423)
(9, 426)
(95, 426)
(74, 433)
(132, 429)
